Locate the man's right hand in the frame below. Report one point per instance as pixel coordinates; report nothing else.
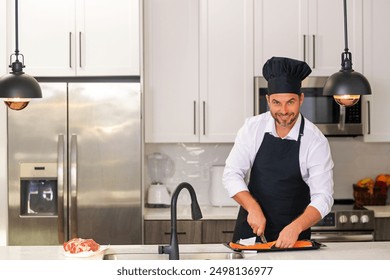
(256, 218)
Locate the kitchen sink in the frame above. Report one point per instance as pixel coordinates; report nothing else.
(211, 256)
(183, 256)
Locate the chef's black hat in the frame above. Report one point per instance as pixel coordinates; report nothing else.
(284, 75)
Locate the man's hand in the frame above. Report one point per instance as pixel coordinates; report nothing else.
(256, 218)
(288, 236)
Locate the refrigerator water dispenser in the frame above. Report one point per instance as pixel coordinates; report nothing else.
(38, 189)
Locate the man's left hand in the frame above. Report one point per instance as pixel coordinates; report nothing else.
(287, 237)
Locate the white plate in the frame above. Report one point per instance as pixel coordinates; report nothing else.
(87, 253)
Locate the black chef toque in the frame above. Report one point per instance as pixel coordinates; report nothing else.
(284, 75)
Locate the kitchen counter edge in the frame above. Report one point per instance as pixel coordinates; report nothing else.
(331, 251)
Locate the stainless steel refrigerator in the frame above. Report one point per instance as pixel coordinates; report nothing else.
(74, 165)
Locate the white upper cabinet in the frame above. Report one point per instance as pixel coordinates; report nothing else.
(376, 47)
(198, 69)
(226, 68)
(171, 62)
(78, 37)
(308, 30)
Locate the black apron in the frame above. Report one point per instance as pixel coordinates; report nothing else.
(276, 183)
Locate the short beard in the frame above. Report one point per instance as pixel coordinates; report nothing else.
(285, 123)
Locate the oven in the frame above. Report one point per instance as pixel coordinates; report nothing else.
(346, 222)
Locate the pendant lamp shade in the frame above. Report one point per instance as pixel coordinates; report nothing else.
(17, 88)
(346, 86)
(19, 85)
(348, 82)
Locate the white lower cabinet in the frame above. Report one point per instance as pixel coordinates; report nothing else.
(198, 69)
(376, 46)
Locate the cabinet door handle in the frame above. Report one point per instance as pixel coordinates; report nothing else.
(194, 117)
(227, 231)
(204, 117)
(368, 117)
(314, 51)
(70, 49)
(80, 63)
(304, 47)
(256, 98)
(179, 233)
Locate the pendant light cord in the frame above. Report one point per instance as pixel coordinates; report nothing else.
(17, 66)
(346, 56)
(345, 26)
(16, 30)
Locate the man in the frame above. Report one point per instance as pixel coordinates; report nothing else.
(291, 169)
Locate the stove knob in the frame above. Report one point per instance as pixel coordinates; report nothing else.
(354, 219)
(343, 219)
(364, 219)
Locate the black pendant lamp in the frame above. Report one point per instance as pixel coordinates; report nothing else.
(17, 88)
(346, 86)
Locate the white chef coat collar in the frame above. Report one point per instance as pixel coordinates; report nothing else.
(292, 135)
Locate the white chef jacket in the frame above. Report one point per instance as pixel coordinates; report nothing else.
(315, 158)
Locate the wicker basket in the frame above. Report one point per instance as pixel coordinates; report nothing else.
(362, 196)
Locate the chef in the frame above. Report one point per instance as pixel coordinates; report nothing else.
(289, 160)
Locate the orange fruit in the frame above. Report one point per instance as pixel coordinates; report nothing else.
(382, 180)
(366, 182)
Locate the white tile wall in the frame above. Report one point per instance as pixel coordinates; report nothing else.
(353, 160)
(192, 165)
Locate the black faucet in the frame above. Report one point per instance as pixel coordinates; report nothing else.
(173, 248)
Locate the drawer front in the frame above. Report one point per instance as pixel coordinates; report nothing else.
(218, 231)
(159, 232)
(382, 229)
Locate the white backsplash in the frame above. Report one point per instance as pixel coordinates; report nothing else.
(353, 160)
(192, 165)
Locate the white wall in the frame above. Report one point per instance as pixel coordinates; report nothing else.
(355, 160)
(3, 131)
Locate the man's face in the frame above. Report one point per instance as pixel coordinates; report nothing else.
(284, 108)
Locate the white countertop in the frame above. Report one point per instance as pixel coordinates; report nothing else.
(184, 213)
(382, 211)
(332, 251)
(228, 212)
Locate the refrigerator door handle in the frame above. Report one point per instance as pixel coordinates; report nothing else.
(60, 185)
(73, 187)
